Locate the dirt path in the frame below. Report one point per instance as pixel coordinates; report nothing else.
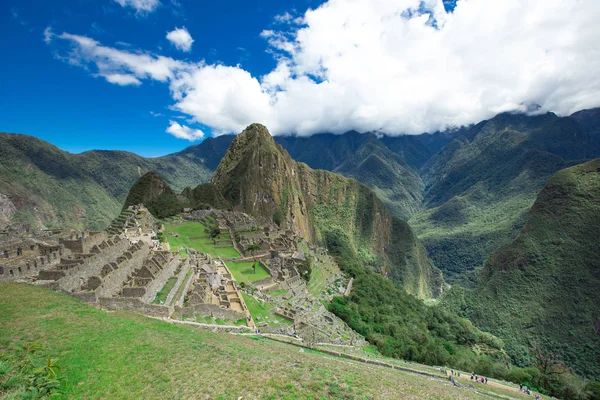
(464, 380)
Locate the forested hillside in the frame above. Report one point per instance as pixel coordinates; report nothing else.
(45, 186)
(542, 289)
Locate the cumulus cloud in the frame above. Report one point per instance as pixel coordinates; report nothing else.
(141, 6)
(181, 39)
(184, 132)
(393, 66)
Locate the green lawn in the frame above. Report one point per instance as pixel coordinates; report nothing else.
(164, 292)
(261, 313)
(188, 230)
(243, 271)
(218, 321)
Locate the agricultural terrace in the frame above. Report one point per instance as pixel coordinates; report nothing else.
(260, 313)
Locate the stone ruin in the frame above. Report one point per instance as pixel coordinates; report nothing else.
(213, 292)
(43, 251)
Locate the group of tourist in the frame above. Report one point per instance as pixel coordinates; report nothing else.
(526, 390)
(479, 379)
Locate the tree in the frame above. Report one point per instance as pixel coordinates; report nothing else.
(252, 249)
(213, 233)
(550, 367)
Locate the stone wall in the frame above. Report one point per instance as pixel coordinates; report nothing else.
(213, 327)
(31, 267)
(85, 244)
(77, 276)
(180, 281)
(206, 310)
(263, 282)
(136, 305)
(113, 282)
(160, 279)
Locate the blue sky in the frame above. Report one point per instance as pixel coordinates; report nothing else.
(154, 76)
(64, 105)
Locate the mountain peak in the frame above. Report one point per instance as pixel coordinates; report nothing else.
(256, 131)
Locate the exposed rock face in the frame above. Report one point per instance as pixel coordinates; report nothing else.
(7, 209)
(259, 177)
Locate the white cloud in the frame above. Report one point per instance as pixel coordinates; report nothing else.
(110, 61)
(48, 34)
(384, 65)
(123, 79)
(141, 6)
(184, 132)
(181, 39)
(287, 18)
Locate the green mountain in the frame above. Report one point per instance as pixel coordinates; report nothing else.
(479, 187)
(542, 289)
(45, 186)
(391, 174)
(204, 196)
(152, 191)
(464, 191)
(259, 177)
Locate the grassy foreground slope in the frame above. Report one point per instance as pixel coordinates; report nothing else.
(542, 289)
(127, 356)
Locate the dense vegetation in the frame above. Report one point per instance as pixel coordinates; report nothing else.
(542, 289)
(204, 196)
(153, 192)
(402, 326)
(480, 186)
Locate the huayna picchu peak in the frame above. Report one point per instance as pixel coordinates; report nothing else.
(258, 176)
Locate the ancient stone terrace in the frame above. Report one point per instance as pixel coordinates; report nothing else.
(83, 243)
(73, 272)
(148, 279)
(109, 281)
